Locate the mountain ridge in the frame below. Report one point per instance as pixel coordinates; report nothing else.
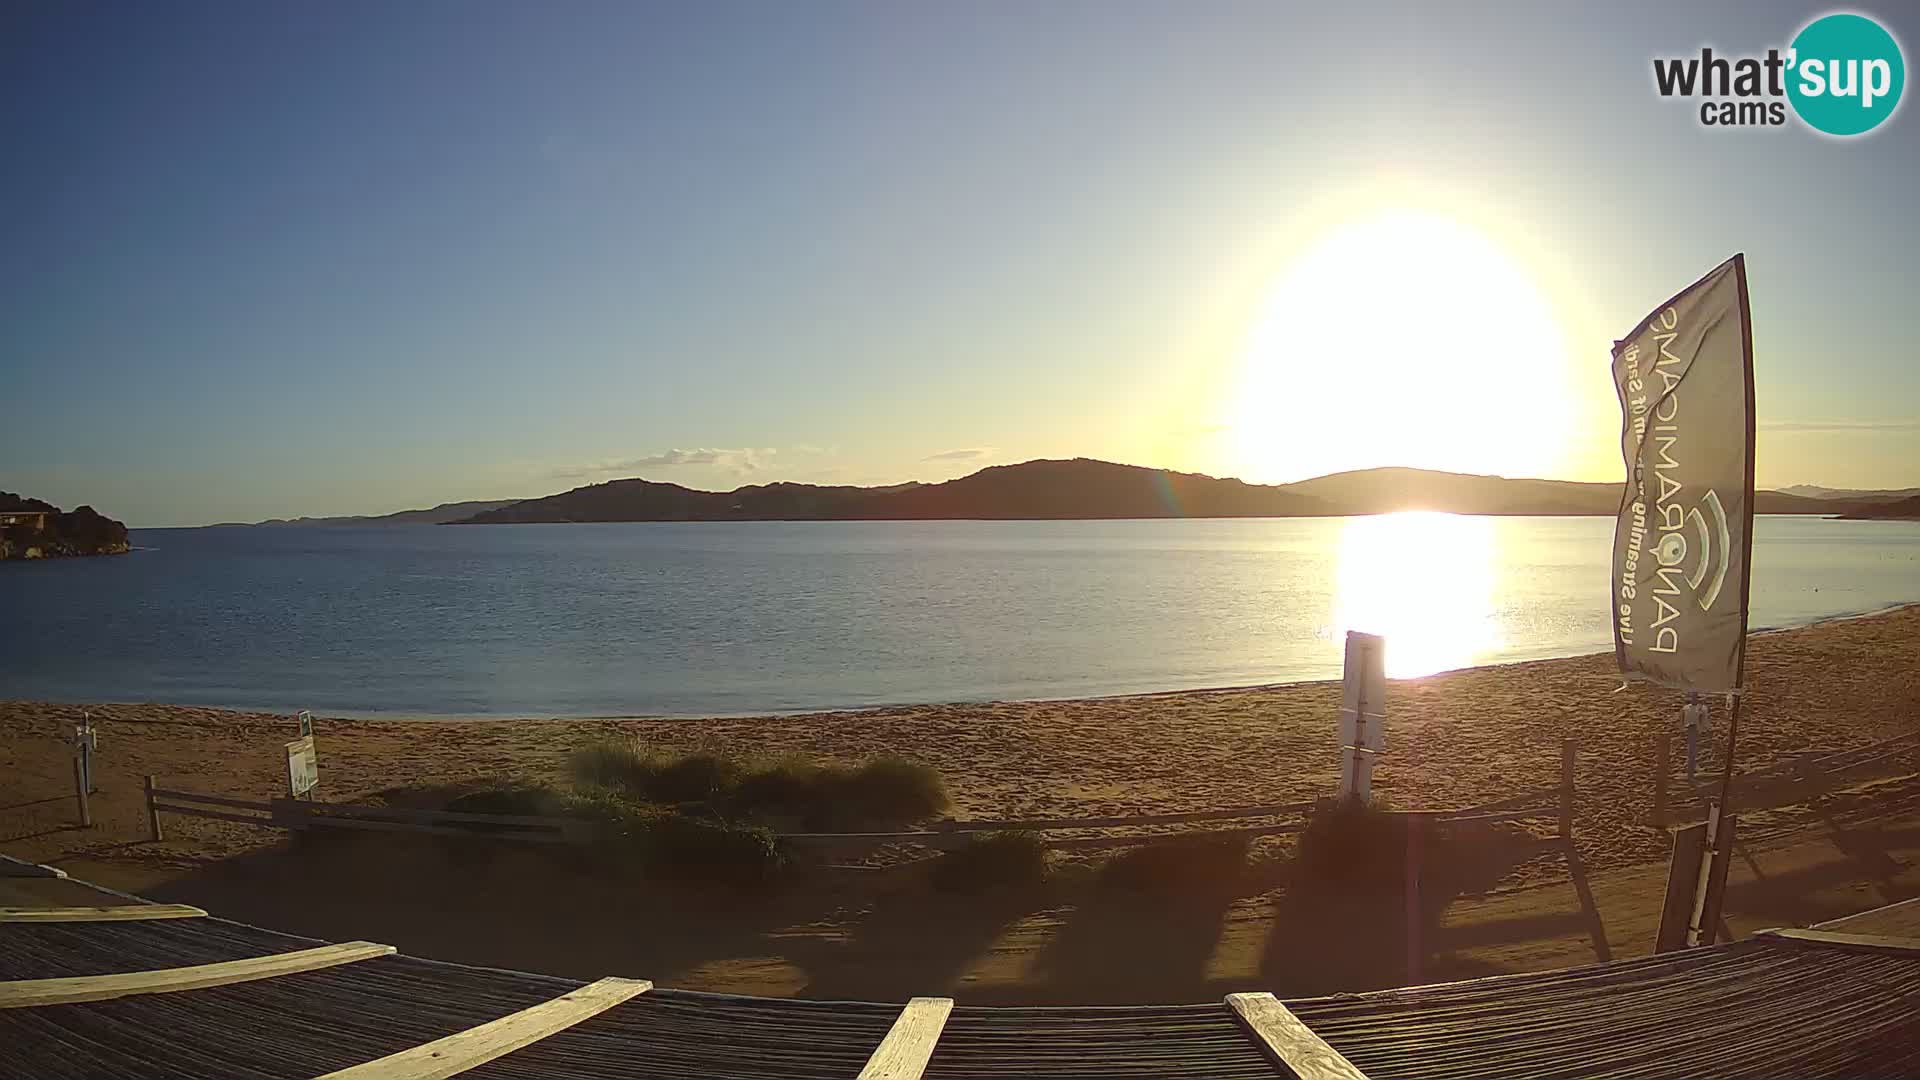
(1089, 489)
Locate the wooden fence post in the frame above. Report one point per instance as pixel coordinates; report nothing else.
(153, 816)
(1568, 747)
(80, 793)
(1662, 746)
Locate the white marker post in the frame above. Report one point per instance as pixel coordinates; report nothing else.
(1363, 714)
(86, 743)
(303, 768)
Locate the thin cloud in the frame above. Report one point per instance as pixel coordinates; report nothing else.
(741, 461)
(1840, 425)
(965, 454)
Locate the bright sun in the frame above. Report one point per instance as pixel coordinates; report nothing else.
(1404, 339)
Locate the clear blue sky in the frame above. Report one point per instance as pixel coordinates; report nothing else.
(278, 259)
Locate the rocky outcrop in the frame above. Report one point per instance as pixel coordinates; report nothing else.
(32, 529)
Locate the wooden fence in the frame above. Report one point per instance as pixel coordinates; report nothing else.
(303, 814)
(1270, 819)
(1800, 780)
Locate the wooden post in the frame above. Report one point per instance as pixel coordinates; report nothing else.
(1568, 748)
(1661, 749)
(1288, 1042)
(1683, 877)
(80, 793)
(153, 816)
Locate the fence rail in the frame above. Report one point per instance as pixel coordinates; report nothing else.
(1770, 786)
(300, 814)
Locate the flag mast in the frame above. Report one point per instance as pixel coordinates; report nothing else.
(1683, 540)
(1746, 563)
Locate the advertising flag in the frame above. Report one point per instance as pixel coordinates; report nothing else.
(1683, 543)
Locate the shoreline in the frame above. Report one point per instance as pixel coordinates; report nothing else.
(1459, 738)
(417, 715)
(1462, 738)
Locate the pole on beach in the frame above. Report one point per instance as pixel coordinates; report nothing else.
(1661, 748)
(153, 815)
(1568, 749)
(80, 793)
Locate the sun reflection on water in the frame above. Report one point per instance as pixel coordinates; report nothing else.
(1424, 581)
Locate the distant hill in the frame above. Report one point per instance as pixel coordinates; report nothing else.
(1076, 489)
(1383, 491)
(1086, 489)
(438, 515)
(1814, 491)
(40, 530)
(1907, 509)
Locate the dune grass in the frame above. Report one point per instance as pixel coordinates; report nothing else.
(629, 836)
(998, 860)
(884, 792)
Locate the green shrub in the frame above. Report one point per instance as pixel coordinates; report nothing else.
(605, 806)
(647, 840)
(610, 763)
(1178, 864)
(625, 765)
(892, 790)
(710, 851)
(992, 861)
(512, 798)
(788, 787)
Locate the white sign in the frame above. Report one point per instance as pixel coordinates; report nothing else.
(1363, 701)
(303, 767)
(306, 723)
(1363, 714)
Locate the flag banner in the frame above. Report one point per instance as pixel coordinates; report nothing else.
(1683, 543)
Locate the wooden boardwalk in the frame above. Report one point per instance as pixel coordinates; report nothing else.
(200, 996)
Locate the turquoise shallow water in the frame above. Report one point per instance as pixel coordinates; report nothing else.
(699, 618)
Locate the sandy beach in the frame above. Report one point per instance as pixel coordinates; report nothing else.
(1456, 739)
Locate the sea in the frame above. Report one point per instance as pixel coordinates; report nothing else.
(740, 618)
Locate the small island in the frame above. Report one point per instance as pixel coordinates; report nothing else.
(31, 529)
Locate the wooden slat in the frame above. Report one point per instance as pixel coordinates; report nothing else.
(211, 800)
(222, 815)
(476, 1046)
(904, 1053)
(334, 811)
(1097, 843)
(12, 867)
(1876, 943)
(1902, 912)
(1045, 824)
(123, 913)
(330, 822)
(1288, 1041)
(64, 991)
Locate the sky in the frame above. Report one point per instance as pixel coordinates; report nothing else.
(310, 259)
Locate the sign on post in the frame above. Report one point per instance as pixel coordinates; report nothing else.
(303, 767)
(306, 724)
(1363, 714)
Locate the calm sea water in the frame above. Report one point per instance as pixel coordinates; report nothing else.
(586, 620)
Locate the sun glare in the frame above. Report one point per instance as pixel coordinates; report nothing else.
(1426, 582)
(1405, 339)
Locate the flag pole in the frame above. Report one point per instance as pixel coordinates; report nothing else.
(1746, 563)
(1707, 902)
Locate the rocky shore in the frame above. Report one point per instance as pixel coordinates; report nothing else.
(32, 529)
